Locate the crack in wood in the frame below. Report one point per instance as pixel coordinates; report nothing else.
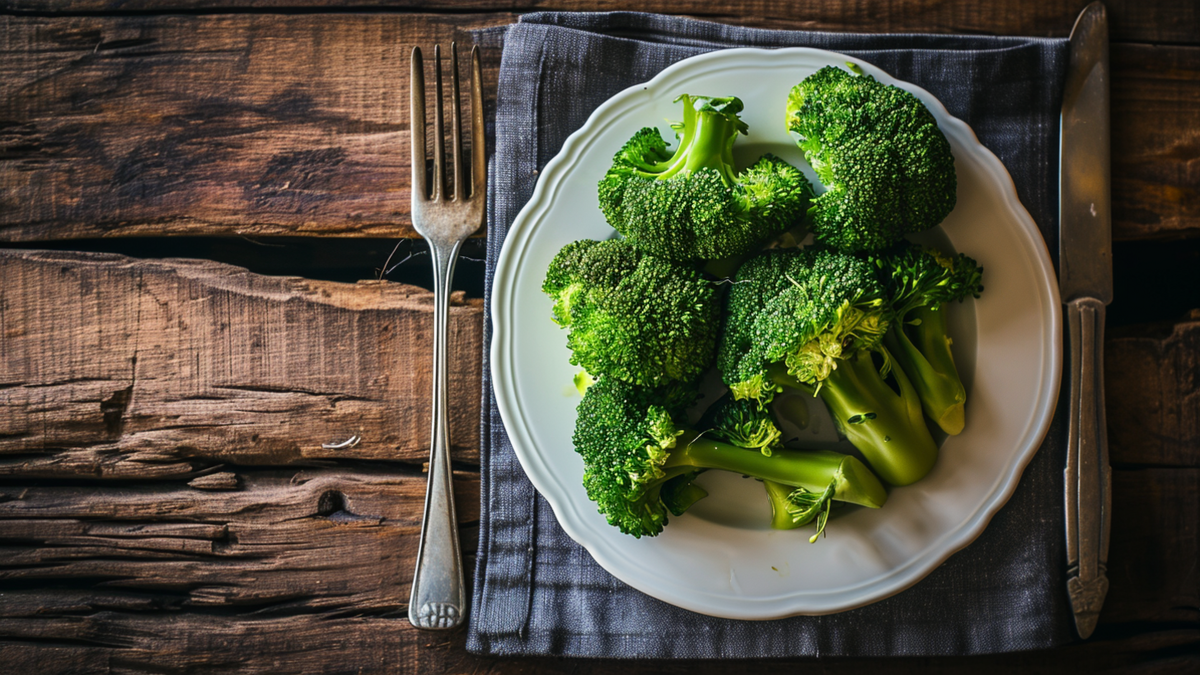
(113, 409)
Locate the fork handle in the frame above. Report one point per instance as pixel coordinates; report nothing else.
(438, 598)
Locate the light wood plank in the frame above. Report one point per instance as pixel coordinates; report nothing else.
(235, 125)
(123, 368)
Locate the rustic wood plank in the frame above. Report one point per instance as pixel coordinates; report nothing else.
(1152, 389)
(113, 642)
(326, 540)
(247, 125)
(1156, 141)
(1148, 21)
(1155, 545)
(295, 125)
(123, 368)
(272, 578)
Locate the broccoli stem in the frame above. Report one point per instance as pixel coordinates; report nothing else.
(813, 470)
(679, 492)
(792, 508)
(931, 366)
(781, 518)
(888, 429)
(706, 143)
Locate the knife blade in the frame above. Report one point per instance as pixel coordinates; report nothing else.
(1085, 283)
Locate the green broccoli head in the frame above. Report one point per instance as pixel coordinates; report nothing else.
(803, 308)
(632, 316)
(887, 168)
(691, 204)
(624, 434)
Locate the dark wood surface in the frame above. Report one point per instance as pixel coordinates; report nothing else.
(167, 500)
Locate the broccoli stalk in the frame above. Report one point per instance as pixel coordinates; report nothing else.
(638, 462)
(749, 425)
(709, 128)
(920, 282)
(887, 427)
(815, 471)
(935, 376)
(796, 507)
(692, 204)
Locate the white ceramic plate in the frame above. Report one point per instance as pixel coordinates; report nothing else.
(721, 558)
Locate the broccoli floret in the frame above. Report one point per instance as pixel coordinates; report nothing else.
(821, 325)
(744, 423)
(634, 451)
(691, 204)
(886, 166)
(919, 282)
(632, 316)
(803, 307)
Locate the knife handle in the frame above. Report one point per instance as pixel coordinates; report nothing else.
(1088, 476)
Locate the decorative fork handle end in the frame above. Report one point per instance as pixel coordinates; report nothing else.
(1088, 475)
(438, 600)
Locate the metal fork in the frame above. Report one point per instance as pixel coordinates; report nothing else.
(438, 598)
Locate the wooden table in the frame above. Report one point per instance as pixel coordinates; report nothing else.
(175, 495)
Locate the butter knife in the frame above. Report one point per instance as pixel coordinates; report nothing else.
(1085, 283)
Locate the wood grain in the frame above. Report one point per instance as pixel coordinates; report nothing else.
(296, 125)
(246, 125)
(1155, 141)
(1155, 544)
(114, 641)
(114, 367)
(283, 541)
(1152, 386)
(307, 571)
(1146, 21)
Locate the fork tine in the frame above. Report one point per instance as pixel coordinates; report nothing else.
(460, 191)
(416, 126)
(439, 141)
(478, 138)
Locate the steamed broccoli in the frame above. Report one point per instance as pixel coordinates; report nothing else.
(638, 463)
(887, 168)
(631, 316)
(817, 317)
(691, 204)
(919, 282)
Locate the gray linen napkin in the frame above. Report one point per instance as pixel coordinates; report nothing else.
(537, 592)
